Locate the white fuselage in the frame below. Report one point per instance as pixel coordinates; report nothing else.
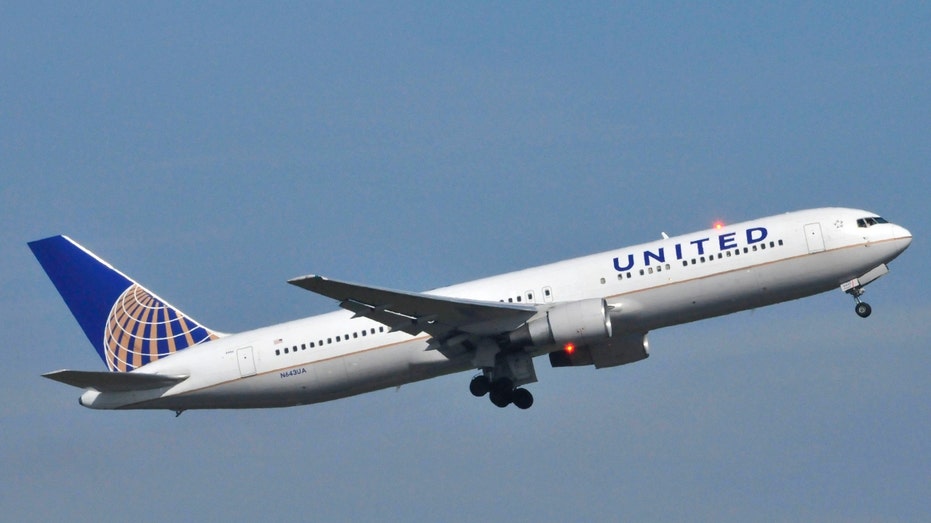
(658, 284)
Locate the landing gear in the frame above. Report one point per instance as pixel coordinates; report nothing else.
(855, 286)
(501, 392)
(863, 309)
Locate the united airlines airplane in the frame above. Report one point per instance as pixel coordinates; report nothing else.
(595, 310)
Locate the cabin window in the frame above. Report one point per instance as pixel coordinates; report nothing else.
(277, 352)
(780, 243)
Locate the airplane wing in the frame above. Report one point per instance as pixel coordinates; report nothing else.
(113, 381)
(413, 313)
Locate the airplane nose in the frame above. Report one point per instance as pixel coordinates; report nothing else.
(903, 233)
(903, 237)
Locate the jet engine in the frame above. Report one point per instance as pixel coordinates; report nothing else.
(576, 322)
(609, 353)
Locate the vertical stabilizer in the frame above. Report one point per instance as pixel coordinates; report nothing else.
(127, 324)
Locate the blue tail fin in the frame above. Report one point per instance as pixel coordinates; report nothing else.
(127, 324)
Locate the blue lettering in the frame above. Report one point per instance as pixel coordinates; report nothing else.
(756, 235)
(701, 248)
(292, 372)
(660, 256)
(727, 241)
(630, 263)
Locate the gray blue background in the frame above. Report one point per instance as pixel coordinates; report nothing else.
(214, 150)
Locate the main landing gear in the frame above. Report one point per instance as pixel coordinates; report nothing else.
(501, 392)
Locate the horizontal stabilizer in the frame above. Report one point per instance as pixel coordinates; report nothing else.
(113, 381)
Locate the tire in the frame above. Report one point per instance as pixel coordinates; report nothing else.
(479, 386)
(863, 309)
(500, 399)
(522, 399)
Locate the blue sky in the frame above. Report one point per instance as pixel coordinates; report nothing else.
(214, 150)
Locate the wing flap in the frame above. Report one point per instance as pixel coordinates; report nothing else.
(413, 312)
(113, 381)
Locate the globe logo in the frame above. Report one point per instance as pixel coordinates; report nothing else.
(141, 328)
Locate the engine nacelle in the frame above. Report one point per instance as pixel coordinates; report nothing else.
(611, 353)
(576, 322)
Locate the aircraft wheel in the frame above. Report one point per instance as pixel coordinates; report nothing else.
(863, 309)
(522, 399)
(503, 386)
(500, 398)
(480, 385)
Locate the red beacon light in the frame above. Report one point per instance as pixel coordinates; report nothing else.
(718, 224)
(569, 348)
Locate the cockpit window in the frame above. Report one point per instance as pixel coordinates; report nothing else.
(869, 222)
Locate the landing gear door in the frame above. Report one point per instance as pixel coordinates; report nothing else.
(814, 238)
(246, 362)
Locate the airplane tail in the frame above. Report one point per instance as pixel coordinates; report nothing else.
(127, 324)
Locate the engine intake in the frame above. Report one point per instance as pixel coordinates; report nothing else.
(576, 322)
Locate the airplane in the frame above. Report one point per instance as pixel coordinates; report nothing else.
(590, 311)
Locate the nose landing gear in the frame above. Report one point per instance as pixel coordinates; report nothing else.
(855, 286)
(862, 308)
